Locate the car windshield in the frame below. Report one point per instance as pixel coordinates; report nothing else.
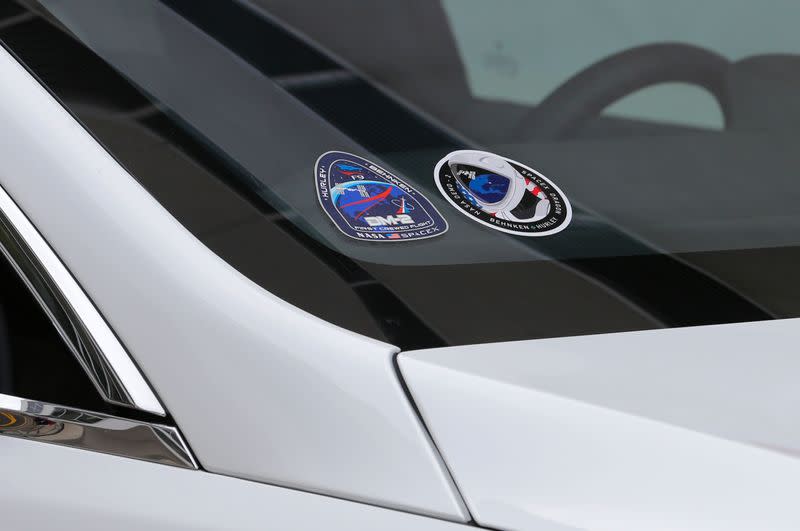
(434, 173)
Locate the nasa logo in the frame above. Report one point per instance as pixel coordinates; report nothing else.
(367, 202)
(502, 194)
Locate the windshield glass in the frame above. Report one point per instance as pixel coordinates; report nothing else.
(458, 171)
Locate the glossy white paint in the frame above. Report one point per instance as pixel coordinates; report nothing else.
(45, 487)
(690, 429)
(259, 388)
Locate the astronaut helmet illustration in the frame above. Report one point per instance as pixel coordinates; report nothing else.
(493, 185)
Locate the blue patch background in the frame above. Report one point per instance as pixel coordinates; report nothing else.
(350, 191)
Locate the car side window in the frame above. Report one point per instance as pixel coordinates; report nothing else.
(35, 362)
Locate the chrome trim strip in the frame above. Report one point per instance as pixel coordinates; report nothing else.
(86, 430)
(87, 334)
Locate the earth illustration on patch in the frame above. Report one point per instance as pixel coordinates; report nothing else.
(357, 198)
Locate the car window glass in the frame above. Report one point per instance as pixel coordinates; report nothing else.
(35, 363)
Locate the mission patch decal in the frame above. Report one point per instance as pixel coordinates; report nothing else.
(502, 194)
(369, 203)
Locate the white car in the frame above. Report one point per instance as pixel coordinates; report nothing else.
(304, 264)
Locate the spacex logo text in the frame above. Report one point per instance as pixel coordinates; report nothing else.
(380, 221)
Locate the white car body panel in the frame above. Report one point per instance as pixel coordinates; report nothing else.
(50, 487)
(689, 428)
(259, 388)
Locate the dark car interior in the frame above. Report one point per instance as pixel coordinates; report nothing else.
(34, 361)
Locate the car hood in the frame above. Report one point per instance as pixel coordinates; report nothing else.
(691, 428)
